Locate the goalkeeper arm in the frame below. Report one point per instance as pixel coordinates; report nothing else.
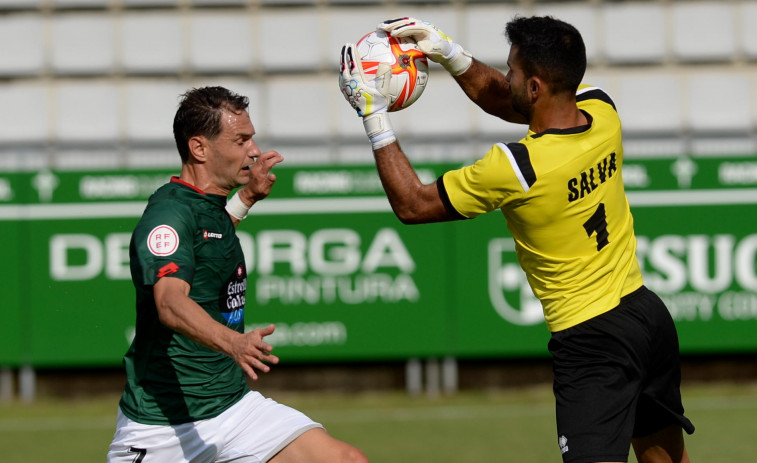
(490, 90)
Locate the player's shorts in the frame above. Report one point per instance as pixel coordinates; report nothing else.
(617, 376)
(252, 431)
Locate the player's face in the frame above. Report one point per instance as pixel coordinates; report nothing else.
(518, 84)
(233, 151)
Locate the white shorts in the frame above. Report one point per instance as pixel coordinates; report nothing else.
(252, 431)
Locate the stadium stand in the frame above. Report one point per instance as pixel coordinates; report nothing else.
(104, 74)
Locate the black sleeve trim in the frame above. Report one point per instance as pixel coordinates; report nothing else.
(596, 94)
(445, 200)
(522, 158)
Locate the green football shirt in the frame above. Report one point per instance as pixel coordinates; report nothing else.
(184, 233)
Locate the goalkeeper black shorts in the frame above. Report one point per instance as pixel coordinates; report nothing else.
(617, 376)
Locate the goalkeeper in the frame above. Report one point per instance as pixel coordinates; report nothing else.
(613, 343)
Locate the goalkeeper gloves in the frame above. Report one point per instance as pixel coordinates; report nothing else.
(367, 100)
(435, 44)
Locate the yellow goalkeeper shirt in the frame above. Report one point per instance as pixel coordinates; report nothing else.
(562, 194)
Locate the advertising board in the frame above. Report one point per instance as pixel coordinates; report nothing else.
(342, 279)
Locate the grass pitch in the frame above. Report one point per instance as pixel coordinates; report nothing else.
(496, 426)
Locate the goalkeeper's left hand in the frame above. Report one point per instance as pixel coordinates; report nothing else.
(434, 43)
(367, 99)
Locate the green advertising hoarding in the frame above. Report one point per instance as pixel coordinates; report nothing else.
(342, 279)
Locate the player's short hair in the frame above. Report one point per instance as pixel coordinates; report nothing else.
(550, 49)
(200, 112)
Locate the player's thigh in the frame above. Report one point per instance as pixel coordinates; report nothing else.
(139, 443)
(317, 446)
(596, 386)
(665, 445)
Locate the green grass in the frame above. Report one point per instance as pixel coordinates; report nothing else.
(510, 425)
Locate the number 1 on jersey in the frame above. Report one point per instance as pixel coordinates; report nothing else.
(597, 223)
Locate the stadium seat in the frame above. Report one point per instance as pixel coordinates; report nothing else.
(582, 15)
(484, 28)
(219, 2)
(151, 43)
(149, 3)
(86, 112)
(748, 16)
(221, 42)
(286, 117)
(443, 111)
(81, 3)
(19, 4)
(341, 27)
(22, 39)
(650, 103)
(703, 31)
(624, 43)
(720, 103)
(352, 2)
(287, 2)
(149, 108)
(24, 112)
(83, 43)
(290, 40)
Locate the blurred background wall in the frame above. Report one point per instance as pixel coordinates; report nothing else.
(94, 83)
(88, 89)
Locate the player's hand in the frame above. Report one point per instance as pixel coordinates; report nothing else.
(251, 352)
(366, 98)
(434, 43)
(261, 177)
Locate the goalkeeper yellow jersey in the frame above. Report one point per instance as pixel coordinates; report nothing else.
(562, 194)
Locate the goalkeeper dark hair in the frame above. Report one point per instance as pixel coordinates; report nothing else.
(550, 49)
(200, 112)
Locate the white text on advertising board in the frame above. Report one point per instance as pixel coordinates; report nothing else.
(328, 266)
(698, 276)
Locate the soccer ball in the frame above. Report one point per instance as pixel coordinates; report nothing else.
(409, 67)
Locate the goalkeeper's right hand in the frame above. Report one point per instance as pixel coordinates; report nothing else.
(368, 100)
(434, 43)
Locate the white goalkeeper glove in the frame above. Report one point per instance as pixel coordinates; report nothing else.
(435, 44)
(368, 99)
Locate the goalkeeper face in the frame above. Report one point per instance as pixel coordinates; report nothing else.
(523, 89)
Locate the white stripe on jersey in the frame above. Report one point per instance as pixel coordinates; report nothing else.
(516, 168)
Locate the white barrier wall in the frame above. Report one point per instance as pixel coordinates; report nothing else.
(95, 82)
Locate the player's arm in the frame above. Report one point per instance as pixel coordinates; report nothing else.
(257, 189)
(490, 90)
(485, 86)
(177, 311)
(411, 200)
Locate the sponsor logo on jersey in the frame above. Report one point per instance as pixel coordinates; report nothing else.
(168, 269)
(233, 296)
(163, 240)
(207, 235)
